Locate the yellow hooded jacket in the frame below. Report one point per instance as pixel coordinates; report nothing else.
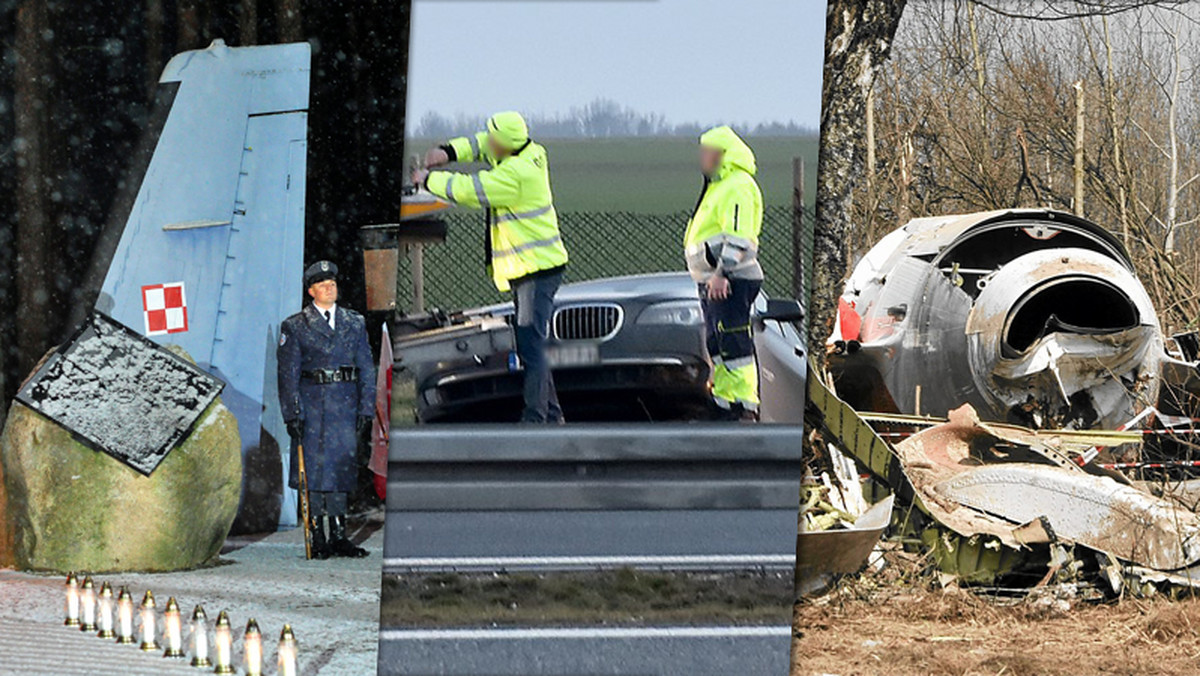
(722, 235)
(523, 228)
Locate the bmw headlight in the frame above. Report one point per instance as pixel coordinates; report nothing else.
(672, 313)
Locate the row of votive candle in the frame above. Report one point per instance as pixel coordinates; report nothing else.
(113, 618)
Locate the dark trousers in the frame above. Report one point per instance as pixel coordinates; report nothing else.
(533, 298)
(730, 341)
(327, 503)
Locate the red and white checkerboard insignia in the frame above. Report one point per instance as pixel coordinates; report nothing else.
(165, 308)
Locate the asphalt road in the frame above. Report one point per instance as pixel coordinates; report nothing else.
(580, 540)
(590, 497)
(569, 539)
(649, 651)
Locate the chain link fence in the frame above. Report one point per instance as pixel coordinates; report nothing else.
(601, 244)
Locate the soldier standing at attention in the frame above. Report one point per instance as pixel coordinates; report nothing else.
(327, 394)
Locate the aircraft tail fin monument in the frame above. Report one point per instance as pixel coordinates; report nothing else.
(211, 255)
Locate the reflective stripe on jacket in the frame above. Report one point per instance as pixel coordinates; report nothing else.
(515, 191)
(722, 234)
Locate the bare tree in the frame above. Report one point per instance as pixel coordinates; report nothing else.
(34, 183)
(291, 26)
(858, 37)
(1169, 74)
(248, 22)
(1080, 140)
(981, 110)
(1063, 10)
(154, 45)
(189, 33)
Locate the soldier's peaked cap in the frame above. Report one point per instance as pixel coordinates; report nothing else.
(319, 272)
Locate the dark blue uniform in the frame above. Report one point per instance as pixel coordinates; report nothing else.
(309, 353)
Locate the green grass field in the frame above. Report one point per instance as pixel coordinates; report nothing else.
(656, 175)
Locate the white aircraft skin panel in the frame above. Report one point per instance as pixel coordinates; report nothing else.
(231, 154)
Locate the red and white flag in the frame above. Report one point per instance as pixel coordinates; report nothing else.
(164, 308)
(381, 428)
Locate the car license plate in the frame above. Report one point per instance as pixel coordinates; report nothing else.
(562, 356)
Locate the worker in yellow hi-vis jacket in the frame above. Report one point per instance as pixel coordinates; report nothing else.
(525, 251)
(721, 248)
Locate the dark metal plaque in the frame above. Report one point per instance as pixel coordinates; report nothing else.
(120, 393)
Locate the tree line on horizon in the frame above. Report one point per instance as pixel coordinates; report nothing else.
(600, 118)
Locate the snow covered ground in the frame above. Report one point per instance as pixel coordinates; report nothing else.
(333, 607)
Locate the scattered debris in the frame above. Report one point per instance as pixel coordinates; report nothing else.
(978, 480)
(994, 503)
(832, 543)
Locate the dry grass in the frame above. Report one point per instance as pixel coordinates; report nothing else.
(618, 597)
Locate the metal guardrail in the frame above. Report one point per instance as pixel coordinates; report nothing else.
(593, 496)
(605, 467)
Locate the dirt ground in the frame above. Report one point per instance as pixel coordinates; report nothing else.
(955, 632)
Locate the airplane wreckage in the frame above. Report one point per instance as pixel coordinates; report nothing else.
(1036, 320)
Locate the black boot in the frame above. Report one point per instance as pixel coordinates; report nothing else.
(339, 543)
(748, 416)
(320, 546)
(722, 414)
(735, 413)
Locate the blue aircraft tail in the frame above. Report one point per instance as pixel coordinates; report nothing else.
(211, 255)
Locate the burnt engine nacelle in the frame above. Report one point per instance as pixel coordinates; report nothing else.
(1030, 316)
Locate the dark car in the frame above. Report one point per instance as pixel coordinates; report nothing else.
(623, 349)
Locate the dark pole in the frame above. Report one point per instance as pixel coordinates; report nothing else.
(798, 270)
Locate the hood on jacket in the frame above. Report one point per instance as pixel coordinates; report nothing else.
(736, 153)
(509, 129)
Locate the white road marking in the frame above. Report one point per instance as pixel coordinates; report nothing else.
(556, 633)
(666, 561)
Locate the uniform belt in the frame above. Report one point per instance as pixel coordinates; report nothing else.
(345, 374)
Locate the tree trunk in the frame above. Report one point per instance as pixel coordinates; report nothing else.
(1118, 162)
(154, 45)
(34, 182)
(248, 22)
(187, 26)
(1079, 133)
(870, 121)
(872, 203)
(1173, 147)
(980, 71)
(291, 27)
(905, 179)
(858, 38)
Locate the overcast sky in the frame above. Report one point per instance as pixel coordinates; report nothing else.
(705, 61)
